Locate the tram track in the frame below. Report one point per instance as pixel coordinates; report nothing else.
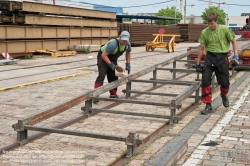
(120, 160)
(75, 120)
(84, 67)
(83, 60)
(64, 106)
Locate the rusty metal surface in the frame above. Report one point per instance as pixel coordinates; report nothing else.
(55, 110)
(16, 46)
(75, 132)
(34, 7)
(142, 33)
(31, 32)
(129, 113)
(187, 92)
(45, 114)
(58, 21)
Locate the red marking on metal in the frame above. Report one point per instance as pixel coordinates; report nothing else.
(6, 55)
(161, 31)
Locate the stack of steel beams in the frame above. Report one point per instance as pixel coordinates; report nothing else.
(194, 31)
(29, 25)
(191, 32)
(143, 33)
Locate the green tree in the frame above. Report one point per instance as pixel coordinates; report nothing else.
(126, 19)
(168, 12)
(213, 9)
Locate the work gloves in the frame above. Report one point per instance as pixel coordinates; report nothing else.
(112, 66)
(119, 68)
(128, 67)
(198, 68)
(235, 61)
(116, 67)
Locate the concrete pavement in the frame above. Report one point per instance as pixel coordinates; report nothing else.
(57, 149)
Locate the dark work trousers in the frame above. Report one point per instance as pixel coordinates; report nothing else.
(221, 71)
(104, 69)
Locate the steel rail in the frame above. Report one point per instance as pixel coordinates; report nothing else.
(22, 130)
(151, 138)
(179, 98)
(65, 124)
(83, 60)
(123, 158)
(31, 120)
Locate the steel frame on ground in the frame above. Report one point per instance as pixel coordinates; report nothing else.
(132, 140)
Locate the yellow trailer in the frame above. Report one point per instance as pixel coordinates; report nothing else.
(158, 42)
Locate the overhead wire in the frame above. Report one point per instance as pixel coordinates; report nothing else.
(149, 4)
(225, 3)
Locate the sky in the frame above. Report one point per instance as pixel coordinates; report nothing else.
(232, 7)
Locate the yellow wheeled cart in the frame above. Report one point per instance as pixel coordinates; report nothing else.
(158, 42)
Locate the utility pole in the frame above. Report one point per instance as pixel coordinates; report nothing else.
(209, 3)
(219, 3)
(181, 6)
(175, 12)
(185, 12)
(185, 7)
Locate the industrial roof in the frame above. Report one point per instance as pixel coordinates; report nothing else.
(119, 16)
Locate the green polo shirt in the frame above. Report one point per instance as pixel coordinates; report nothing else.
(217, 41)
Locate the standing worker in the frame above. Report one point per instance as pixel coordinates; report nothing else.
(107, 60)
(216, 39)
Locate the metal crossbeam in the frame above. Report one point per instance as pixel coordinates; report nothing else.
(159, 94)
(188, 92)
(129, 101)
(76, 133)
(132, 113)
(178, 70)
(165, 82)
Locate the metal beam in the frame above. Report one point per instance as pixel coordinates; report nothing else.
(159, 94)
(122, 81)
(132, 113)
(190, 71)
(187, 92)
(45, 32)
(165, 82)
(45, 114)
(33, 7)
(17, 46)
(60, 21)
(75, 132)
(129, 101)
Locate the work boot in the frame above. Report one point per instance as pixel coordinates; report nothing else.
(113, 96)
(225, 101)
(208, 109)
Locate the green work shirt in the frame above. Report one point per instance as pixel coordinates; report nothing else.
(217, 41)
